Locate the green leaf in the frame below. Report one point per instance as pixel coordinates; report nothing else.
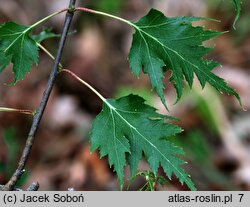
(237, 4)
(129, 127)
(44, 35)
(173, 43)
(4, 61)
(18, 48)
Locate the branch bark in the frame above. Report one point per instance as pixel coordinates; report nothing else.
(32, 187)
(14, 189)
(37, 118)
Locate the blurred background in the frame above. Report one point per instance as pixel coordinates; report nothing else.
(216, 135)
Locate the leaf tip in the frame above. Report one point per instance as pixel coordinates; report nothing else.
(11, 84)
(165, 105)
(225, 32)
(237, 4)
(177, 99)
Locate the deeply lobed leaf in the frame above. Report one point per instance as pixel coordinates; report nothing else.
(129, 127)
(18, 48)
(173, 43)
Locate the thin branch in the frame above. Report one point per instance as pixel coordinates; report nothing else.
(32, 187)
(37, 118)
(14, 189)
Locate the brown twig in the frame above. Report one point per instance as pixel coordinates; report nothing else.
(32, 187)
(37, 118)
(14, 189)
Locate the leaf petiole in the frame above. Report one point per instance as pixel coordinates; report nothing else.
(104, 14)
(22, 111)
(46, 18)
(47, 52)
(84, 83)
